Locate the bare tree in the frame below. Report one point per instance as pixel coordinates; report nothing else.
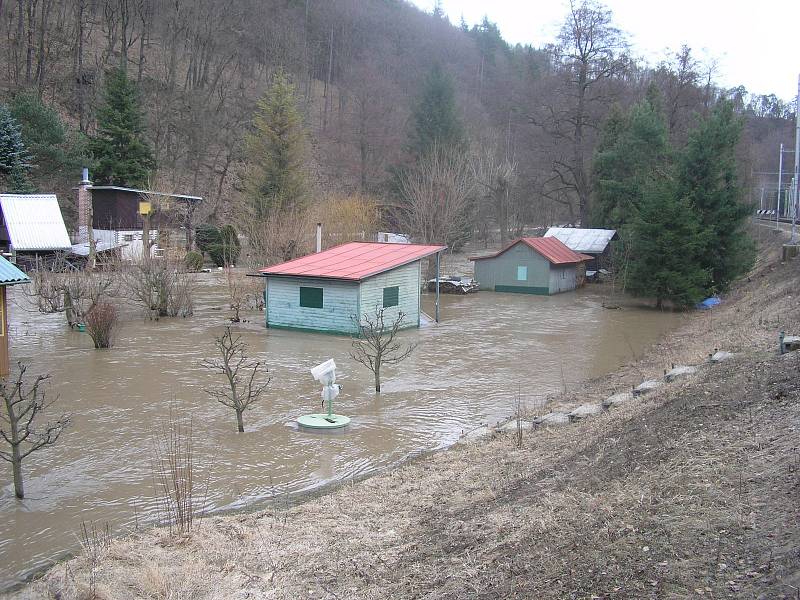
(24, 402)
(497, 176)
(242, 390)
(162, 286)
(62, 288)
(438, 197)
(378, 344)
(590, 51)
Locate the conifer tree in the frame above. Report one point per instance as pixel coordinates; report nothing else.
(634, 149)
(15, 160)
(667, 242)
(435, 116)
(707, 179)
(276, 177)
(120, 147)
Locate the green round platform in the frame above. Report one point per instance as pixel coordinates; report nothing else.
(323, 421)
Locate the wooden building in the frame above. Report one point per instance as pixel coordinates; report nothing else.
(9, 275)
(541, 266)
(32, 228)
(594, 242)
(330, 291)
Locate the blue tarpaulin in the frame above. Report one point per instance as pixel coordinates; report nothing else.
(708, 303)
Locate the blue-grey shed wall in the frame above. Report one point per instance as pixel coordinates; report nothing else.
(342, 301)
(500, 273)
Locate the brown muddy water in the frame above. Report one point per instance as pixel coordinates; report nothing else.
(465, 372)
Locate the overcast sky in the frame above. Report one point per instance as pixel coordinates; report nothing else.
(755, 44)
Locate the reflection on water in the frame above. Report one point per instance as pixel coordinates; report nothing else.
(466, 371)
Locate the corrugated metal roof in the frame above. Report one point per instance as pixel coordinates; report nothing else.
(10, 274)
(34, 222)
(551, 248)
(146, 192)
(593, 241)
(353, 261)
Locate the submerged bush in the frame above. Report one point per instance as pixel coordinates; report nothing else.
(101, 323)
(194, 261)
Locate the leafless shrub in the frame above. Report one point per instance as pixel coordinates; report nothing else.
(162, 286)
(101, 324)
(173, 474)
(243, 291)
(280, 237)
(23, 403)
(62, 288)
(378, 344)
(94, 543)
(518, 419)
(242, 390)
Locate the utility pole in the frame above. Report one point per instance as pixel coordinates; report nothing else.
(780, 181)
(796, 198)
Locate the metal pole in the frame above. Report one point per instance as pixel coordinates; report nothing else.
(438, 265)
(780, 177)
(796, 199)
(761, 204)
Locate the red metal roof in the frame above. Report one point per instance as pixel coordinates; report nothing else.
(553, 249)
(353, 261)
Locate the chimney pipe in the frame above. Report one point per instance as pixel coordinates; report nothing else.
(319, 237)
(84, 207)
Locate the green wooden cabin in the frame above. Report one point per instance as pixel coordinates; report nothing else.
(540, 266)
(330, 291)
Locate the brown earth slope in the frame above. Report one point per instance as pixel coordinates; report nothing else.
(693, 490)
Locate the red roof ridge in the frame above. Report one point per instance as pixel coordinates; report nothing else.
(353, 261)
(551, 248)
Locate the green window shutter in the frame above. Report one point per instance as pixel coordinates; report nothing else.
(391, 296)
(311, 297)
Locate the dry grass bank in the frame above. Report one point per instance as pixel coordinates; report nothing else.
(691, 491)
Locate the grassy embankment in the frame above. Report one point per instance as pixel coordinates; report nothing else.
(692, 490)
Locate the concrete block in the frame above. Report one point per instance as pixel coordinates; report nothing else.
(511, 426)
(617, 399)
(720, 356)
(586, 410)
(790, 343)
(553, 418)
(679, 373)
(646, 387)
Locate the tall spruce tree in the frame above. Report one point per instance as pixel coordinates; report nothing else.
(120, 146)
(435, 116)
(667, 242)
(634, 148)
(15, 160)
(276, 176)
(707, 179)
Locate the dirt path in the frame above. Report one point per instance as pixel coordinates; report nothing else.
(690, 491)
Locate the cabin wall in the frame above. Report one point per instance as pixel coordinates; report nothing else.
(337, 315)
(407, 279)
(502, 273)
(562, 278)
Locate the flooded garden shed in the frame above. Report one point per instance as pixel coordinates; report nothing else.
(593, 242)
(540, 266)
(329, 291)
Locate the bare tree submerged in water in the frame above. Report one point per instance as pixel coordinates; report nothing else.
(377, 344)
(23, 403)
(242, 390)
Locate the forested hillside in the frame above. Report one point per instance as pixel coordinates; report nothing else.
(359, 73)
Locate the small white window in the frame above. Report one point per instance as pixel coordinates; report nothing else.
(522, 273)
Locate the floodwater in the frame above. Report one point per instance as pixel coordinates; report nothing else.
(465, 372)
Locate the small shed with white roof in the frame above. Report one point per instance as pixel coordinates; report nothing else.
(32, 225)
(593, 242)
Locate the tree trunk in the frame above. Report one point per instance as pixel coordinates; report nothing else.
(377, 372)
(239, 421)
(16, 463)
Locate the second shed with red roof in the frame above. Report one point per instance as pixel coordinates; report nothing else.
(531, 266)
